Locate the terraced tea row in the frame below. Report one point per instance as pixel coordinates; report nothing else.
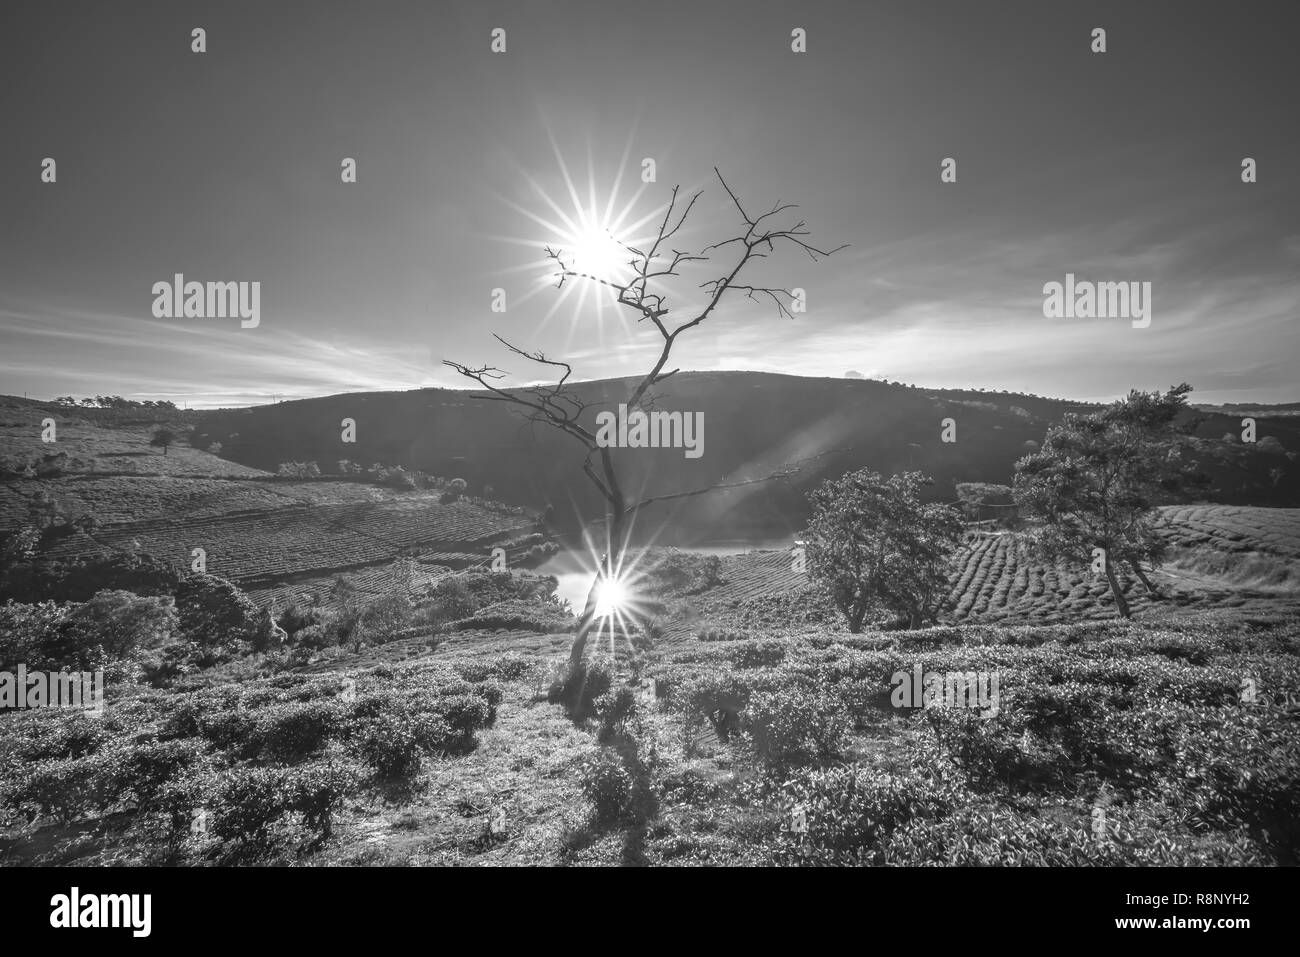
(997, 578)
(1234, 528)
(370, 583)
(262, 546)
(115, 500)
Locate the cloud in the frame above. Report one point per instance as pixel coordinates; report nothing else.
(203, 362)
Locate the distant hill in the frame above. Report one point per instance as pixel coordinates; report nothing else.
(754, 423)
(1252, 408)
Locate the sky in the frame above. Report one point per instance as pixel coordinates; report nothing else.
(1122, 166)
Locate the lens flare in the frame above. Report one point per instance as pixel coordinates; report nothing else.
(593, 232)
(612, 598)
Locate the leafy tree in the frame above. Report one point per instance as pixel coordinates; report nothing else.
(214, 612)
(269, 634)
(163, 438)
(384, 618)
(298, 470)
(872, 543)
(51, 465)
(27, 577)
(27, 632)
(121, 622)
(976, 496)
(1098, 477)
(345, 618)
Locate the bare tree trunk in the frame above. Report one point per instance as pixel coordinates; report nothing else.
(1120, 601)
(1142, 577)
(609, 562)
(585, 623)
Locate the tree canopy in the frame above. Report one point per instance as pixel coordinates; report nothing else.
(873, 544)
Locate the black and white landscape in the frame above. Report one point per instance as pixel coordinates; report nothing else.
(593, 433)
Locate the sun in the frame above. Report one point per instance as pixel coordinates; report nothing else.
(620, 590)
(586, 229)
(612, 598)
(595, 250)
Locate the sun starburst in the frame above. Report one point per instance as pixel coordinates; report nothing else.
(596, 239)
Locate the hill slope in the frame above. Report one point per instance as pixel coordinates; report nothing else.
(754, 424)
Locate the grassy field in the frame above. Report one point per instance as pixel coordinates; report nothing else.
(1145, 719)
(276, 538)
(743, 725)
(1222, 557)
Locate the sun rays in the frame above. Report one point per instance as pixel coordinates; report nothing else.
(595, 232)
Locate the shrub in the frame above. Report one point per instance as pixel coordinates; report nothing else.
(51, 735)
(532, 615)
(298, 470)
(455, 489)
(250, 801)
(795, 726)
(448, 600)
(685, 573)
(392, 744)
(31, 634)
(850, 812)
(57, 788)
(314, 637)
(121, 622)
(31, 579)
(142, 771)
(509, 667)
(608, 786)
(268, 635)
(386, 618)
(580, 685)
(292, 730)
(614, 709)
(296, 617)
(464, 714)
(214, 612)
(318, 793)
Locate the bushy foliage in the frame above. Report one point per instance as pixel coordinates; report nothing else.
(580, 684)
(607, 784)
(214, 613)
(508, 667)
(392, 477)
(531, 615)
(31, 634)
(1148, 722)
(685, 573)
(1096, 480)
(795, 726)
(455, 489)
(848, 813)
(386, 617)
(32, 579)
(298, 470)
(448, 600)
(246, 764)
(873, 544)
(119, 622)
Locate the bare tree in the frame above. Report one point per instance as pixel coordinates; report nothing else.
(555, 406)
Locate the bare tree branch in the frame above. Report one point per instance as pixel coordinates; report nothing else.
(557, 407)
